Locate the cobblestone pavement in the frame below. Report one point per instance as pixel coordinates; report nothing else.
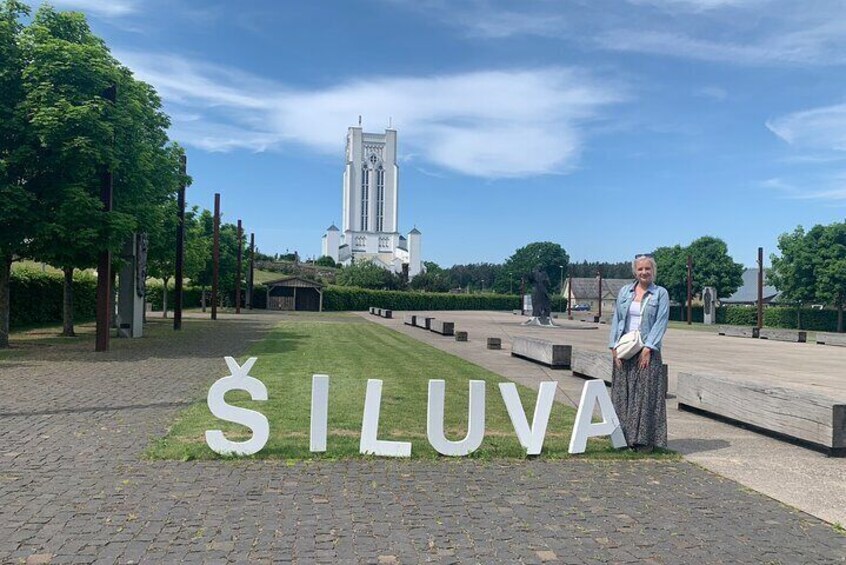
(74, 489)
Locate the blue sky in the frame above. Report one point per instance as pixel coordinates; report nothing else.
(611, 128)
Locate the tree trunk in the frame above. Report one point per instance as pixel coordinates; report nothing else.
(67, 305)
(203, 298)
(5, 303)
(164, 298)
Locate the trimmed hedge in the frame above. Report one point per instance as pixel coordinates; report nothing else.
(345, 298)
(37, 298)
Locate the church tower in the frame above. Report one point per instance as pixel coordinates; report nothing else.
(370, 222)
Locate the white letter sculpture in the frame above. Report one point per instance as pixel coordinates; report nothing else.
(238, 379)
(594, 391)
(530, 438)
(475, 420)
(319, 412)
(369, 445)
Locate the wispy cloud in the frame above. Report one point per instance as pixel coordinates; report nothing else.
(712, 92)
(502, 123)
(103, 8)
(820, 128)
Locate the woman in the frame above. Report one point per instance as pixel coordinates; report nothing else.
(638, 390)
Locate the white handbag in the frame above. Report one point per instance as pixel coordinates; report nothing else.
(630, 343)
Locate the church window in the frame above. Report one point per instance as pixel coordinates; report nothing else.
(380, 199)
(365, 195)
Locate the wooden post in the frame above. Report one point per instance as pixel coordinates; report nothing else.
(238, 270)
(599, 312)
(689, 290)
(570, 299)
(180, 248)
(252, 271)
(104, 260)
(760, 287)
(215, 256)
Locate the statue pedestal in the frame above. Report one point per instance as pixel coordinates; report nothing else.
(542, 321)
(130, 316)
(709, 301)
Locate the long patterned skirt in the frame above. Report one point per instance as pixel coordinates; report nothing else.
(638, 397)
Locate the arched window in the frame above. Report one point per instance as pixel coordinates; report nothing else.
(365, 195)
(380, 198)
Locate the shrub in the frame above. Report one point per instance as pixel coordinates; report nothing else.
(341, 298)
(37, 298)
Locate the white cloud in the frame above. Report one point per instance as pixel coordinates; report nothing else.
(820, 128)
(490, 123)
(712, 92)
(103, 8)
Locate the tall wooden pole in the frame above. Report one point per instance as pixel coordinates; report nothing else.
(689, 290)
(104, 261)
(570, 299)
(252, 271)
(215, 256)
(238, 270)
(180, 248)
(760, 287)
(599, 312)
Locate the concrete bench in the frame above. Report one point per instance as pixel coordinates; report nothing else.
(553, 355)
(409, 320)
(372, 310)
(597, 365)
(797, 415)
(423, 322)
(442, 327)
(386, 313)
(738, 331)
(494, 343)
(460, 336)
(796, 336)
(828, 338)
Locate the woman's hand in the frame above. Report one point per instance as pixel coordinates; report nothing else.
(645, 356)
(617, 362)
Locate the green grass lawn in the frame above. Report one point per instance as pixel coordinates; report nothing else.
(351, 350)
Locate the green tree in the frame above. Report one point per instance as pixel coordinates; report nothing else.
(812, 266)
(325, 261)
(17, 202)
(366, 274)
(549, 256)
(712, 266)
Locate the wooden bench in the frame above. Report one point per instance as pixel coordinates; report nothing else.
(828, 338)
(410, 320)
(553, 355)
(797, 415)
(597, 365)
(796, 336)
(738, 331)
(442, 327)
(494, 343)
(460, 336)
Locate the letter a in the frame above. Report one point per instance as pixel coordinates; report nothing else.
(256, 421)
(595, 392)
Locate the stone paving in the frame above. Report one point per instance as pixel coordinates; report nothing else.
(74, 488)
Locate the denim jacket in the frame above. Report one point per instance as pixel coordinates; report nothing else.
(653, 324)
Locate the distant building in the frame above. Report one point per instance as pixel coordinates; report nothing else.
(748, 292)
(370, 226)
(587, 291)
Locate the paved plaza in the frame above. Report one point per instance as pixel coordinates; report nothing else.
(74, 488)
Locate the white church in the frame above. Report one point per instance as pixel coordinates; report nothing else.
(370, 203)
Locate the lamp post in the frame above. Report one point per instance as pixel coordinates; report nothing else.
(561, 281)
(599, 279)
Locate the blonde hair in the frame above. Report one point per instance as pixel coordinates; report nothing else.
(651, 259)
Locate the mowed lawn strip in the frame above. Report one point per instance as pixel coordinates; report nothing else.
(351, 350)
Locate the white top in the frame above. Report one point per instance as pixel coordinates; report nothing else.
(633, 317)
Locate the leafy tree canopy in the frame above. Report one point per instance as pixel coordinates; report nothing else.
(549, 256)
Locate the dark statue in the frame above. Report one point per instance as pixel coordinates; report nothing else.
(541, 306)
